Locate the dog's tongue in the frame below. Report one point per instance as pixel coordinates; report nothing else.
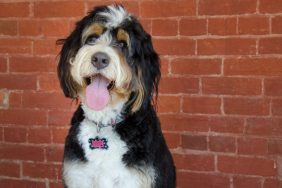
(97, 94)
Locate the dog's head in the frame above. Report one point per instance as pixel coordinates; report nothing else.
(109, 59)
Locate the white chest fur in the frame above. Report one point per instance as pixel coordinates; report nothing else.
(104, 167)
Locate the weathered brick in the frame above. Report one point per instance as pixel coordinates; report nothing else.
(152, 9)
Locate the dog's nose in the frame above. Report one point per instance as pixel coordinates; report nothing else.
(100, 60)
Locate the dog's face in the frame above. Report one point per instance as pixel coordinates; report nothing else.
(108, 59)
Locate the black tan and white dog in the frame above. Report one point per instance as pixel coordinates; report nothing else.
(109, 64)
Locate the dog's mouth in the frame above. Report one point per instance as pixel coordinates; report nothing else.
(110, 83)
(98, 91)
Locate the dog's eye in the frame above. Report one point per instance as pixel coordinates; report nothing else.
(122, 44)
(91, 39)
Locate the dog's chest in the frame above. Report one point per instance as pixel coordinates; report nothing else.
(104, 166)
(101, 147)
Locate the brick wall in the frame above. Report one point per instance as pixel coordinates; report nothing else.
(220, 94)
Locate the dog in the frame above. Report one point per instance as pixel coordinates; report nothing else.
(108, 62)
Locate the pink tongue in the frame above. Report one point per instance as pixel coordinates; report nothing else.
(97, 94)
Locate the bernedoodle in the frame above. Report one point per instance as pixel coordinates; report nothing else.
(115, 140)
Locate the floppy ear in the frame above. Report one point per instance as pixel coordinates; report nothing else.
(147, 67)
(70, 47)
(68, 85)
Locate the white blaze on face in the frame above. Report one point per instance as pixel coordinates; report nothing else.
(82, 66)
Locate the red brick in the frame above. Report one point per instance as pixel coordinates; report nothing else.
(165, 64)
(45, 100)
(59, 135)
(12, 183)
(246, 182)
(201, 180)
(270, 6)
(246, 165)
(58, 9)
(3, 64)
(275, 147)
(222, 144)
(175, 46)
(1, 134)
(15, 46)
(276, 25)
(270, 45)
(9, 169)
(277, 107)
(272, 183)
(36, 170)
(193, 66)
(24, 117)
(253, 25)
(15, 99)
(179, 85)
(56, 117)
(3, 98)
(18, 81)
(203, 105)
(44, 47)
(222, 26)
(16, 9)
(48, 82)
(227, 46)
(54, 153)
(8, 27)
(39, 135)
(253, 66)
(168, 104)
(194, 142)
(32, 64)
(152, 9)
(164, 27)
(21, 152)
(191, 27)
(252, 146)
(243, 106)
(194, 162)
(264, 127)
(228, 7)
(49, 28)
(30, 28)
(15, 135)
(273, 87)
(55, 184)
(184, 123)
(55, 28)
(173, 140)
(232, 86)
(226, 125)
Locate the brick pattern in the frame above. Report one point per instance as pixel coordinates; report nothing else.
(220, 100)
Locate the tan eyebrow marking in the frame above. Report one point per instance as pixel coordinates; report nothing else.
(95, 28)
(122, 35)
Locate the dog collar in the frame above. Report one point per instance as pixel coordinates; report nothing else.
(113, 122)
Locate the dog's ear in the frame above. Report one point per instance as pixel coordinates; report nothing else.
(68, 85)
(147, 67)
(69, 49)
